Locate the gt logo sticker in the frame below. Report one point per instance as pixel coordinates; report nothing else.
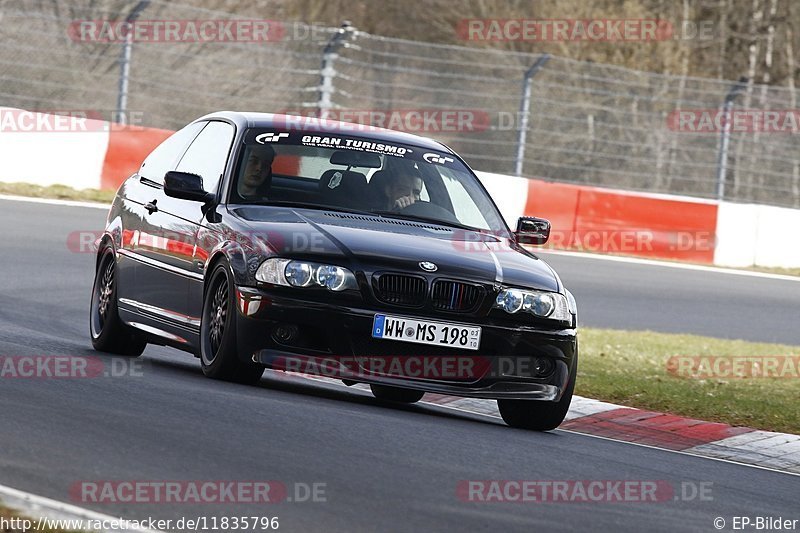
(270, 137)
(437, 159)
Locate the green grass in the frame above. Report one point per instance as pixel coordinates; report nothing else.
(630, 368)
(776, 270)
(60, 192)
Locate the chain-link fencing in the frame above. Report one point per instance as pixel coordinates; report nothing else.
(587, 123)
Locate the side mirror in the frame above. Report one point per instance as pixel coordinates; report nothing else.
(531, 230)
(186, 186)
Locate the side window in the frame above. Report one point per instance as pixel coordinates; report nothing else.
(208, 154)
(166, 155)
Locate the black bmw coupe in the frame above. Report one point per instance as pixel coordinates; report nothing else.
(260, 241)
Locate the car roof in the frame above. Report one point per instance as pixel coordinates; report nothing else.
(246, 119)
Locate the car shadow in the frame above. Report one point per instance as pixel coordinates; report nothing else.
(278, 381)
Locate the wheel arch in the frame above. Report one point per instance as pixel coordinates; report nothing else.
(112, 237)
(105, 241)
(235, 255)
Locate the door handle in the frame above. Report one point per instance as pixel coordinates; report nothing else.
(151, 207)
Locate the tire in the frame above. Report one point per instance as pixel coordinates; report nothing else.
(219, 355)
(538, 415)
(396, 394)
(107, 331)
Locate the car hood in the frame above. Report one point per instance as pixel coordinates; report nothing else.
(371, 243)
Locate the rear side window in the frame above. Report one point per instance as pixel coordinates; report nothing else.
(168, 153)
(208, 154)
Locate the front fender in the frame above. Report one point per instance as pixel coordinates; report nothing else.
(242, 258)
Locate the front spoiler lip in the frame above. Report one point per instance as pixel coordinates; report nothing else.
(502, 390)
(497, 389)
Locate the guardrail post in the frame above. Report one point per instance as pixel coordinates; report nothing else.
(125, 63)
(327, 72)
(524, 111)
(725, 136)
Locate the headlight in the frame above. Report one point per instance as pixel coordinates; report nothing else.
(541, 304)
(271, 271)
(538, 303)
(305, 274)
(510, 300)
(299, 274)
(332, 277)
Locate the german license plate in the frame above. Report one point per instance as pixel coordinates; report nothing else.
(426, 332)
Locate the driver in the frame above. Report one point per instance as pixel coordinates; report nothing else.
(402, 191)
(256, 177)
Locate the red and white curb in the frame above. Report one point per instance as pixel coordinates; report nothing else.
(778, 451)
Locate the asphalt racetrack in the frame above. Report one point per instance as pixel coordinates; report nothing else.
(382, 468)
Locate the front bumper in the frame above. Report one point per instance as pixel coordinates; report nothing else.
(335, 341)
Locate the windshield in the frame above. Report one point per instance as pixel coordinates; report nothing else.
(320, 170)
